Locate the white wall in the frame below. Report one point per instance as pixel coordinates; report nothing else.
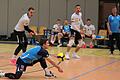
(46, 12)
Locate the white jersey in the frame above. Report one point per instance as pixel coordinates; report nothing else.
(57, 28)
(76, 21)
(24, 21)
(89, 29)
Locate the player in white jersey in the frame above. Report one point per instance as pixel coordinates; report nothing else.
(19, 31)
(57, 32)
(89, 31)
(76, 22)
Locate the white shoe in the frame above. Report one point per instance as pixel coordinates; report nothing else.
(75, 56)
(49, 74)
(2, 74)
(67, 56)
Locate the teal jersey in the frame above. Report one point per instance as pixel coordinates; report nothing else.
(114, 22)
(34, 54)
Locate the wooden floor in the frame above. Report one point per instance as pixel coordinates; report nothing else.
(94, 64)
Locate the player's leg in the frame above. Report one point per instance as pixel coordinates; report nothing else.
(111, 41)
(20, 38)
(60, 35)
(19, 70)
(19, 48)
(55, 37)
(79, 45)
(45, 68)
(9, 75)
(18, 74)
(118, 41)
(70, 43)
(52, 38)
(92, 37)
(79, 42)
(43, 65)
(25, 42)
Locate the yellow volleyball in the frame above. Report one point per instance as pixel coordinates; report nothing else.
(61, 56)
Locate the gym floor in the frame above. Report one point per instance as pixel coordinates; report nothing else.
(94, 64)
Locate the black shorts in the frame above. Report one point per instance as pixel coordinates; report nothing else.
(21, 37)
(66, 35)
(54, 33)
(86, 36)
(76, 34)
(20, 65)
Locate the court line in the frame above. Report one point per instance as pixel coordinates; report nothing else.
(95, 69)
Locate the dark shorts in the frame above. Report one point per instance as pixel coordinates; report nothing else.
(21, 36)
(21, 66)
(86, 36)
(54, 33)
(66, 35)
(76, 34)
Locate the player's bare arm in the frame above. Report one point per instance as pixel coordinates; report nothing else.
(54, 64)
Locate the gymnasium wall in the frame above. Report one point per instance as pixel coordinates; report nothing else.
(46, 12)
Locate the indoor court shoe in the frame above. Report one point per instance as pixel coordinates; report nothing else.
(67, 57)
(2, 74)
(49, 75)
(13, 61)
(75, 56)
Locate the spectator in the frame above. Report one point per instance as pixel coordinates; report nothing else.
(66, 31)
(89, 31)
(56, 32)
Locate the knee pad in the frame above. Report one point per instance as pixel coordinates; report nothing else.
(71, 42)
(80, 43)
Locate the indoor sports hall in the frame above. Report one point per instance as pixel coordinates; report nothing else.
(95, 57)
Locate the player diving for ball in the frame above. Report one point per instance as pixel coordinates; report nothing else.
(32, 56)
